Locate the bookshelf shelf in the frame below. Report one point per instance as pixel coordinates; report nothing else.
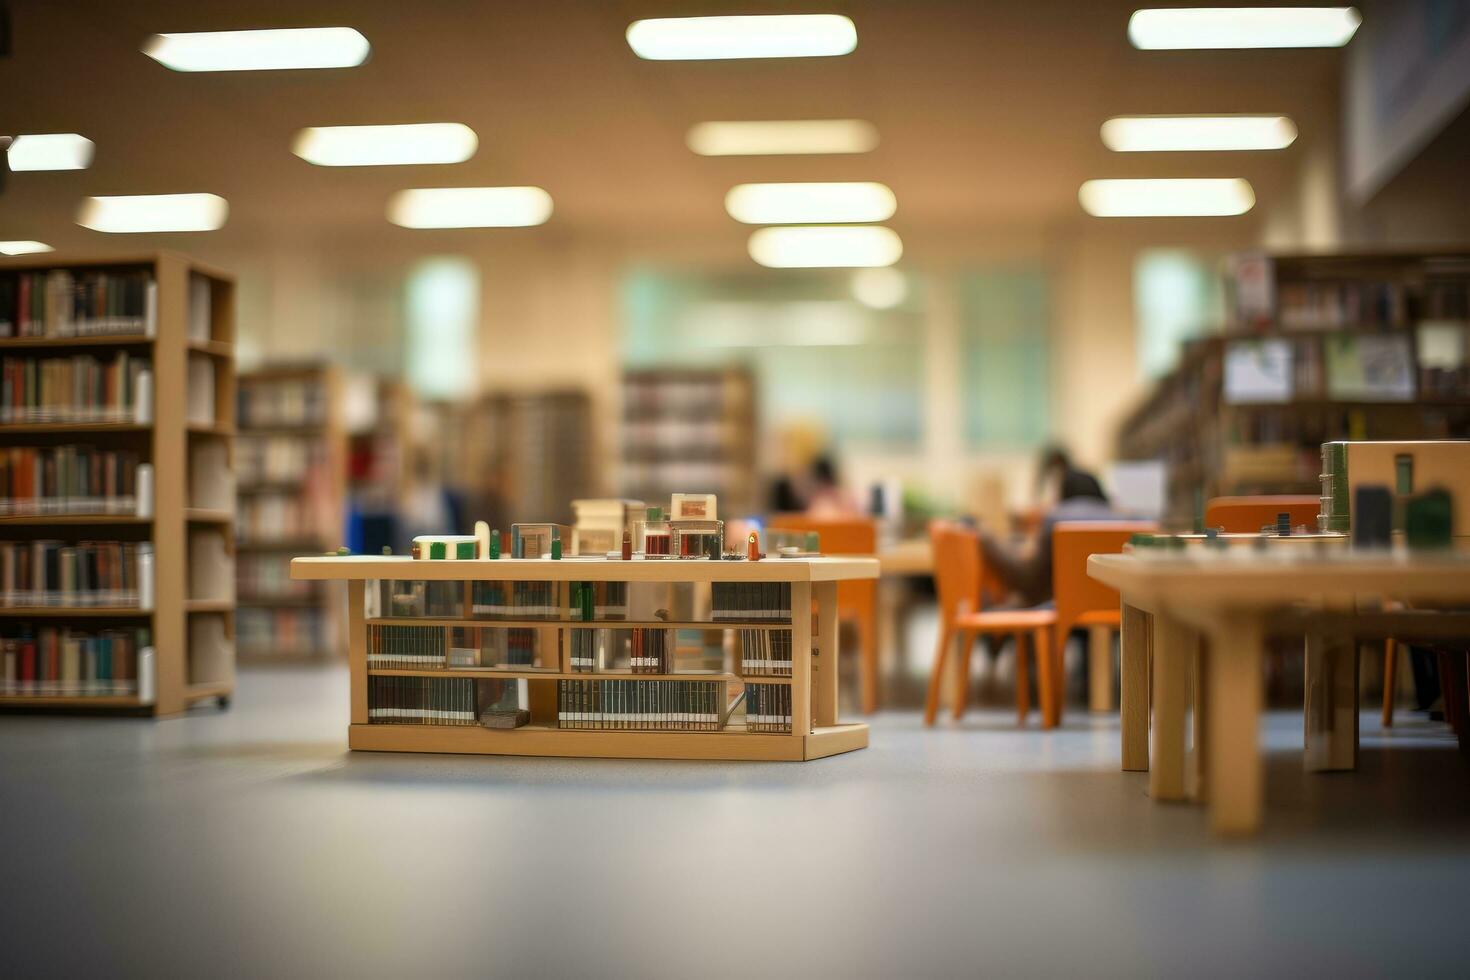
(183, 327)
(809, 584)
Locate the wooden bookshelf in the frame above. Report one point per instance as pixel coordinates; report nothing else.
(1369, 346)
(184, 432)
(815, 728)
(690, 427)
(292, 501)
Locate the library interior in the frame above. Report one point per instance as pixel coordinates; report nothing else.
(954, 468)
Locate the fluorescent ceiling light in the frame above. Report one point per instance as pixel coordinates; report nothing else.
(1173, 197)
(767, 36)
(23, 248)
(810, 203)
(154, 212)
(50, 151)
(1243, 27)
(825, 247)
(782, 137)
(470, 207)
(385, 146)
(1135, 134)
(312, 47)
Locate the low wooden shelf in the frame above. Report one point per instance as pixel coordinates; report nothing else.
(815, 731)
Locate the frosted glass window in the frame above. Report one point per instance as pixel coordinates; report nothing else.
(1177, 296)
(1005, 356)
(443, 320)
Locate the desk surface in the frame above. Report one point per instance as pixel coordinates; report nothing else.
(912, 557)
(585, 569)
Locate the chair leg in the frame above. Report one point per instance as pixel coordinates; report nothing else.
(962, 681)
(1059, 675)
(868, 651)
(1390, 674)
(1046, 676)
(1023, 681)
(936, 675)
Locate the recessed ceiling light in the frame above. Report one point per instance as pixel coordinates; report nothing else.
(1243, 27)
(1170, 197)
(273, 50)
(810, 203)
(766, 36)
(1134, 134)
(782, 137)
(385, 146)
(818, 246)
(470, 207)
(154, 212)
(24, 248)
(50, 151)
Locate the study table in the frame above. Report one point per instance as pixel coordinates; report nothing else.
(1233, 602)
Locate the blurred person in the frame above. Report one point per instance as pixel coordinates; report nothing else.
(825, 495)
(1051, 466)
(1026, 572)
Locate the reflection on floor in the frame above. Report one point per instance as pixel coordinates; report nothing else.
(249, 842)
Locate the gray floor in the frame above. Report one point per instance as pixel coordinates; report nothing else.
(251, 843)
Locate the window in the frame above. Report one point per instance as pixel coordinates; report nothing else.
(1005, 357)
(1177, 296)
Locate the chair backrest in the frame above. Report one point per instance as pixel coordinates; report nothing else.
(957, 566)
(1072, 543)
(840, 536)
(1247, 515)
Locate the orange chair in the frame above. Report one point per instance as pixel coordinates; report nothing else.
(857, 601)
(958, 572)
(1247, 515)
(1084, 601)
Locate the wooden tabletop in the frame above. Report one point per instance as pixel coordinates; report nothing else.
(585, 569)
(912, 557)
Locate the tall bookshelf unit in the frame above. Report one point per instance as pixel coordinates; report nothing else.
(292, 495)
(183, 428)
(690, 427)
(1319, 348)
(810, 620)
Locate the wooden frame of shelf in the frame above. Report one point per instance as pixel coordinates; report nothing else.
(815, 731)
(170, 441)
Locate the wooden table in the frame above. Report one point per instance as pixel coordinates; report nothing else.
(1233, 602)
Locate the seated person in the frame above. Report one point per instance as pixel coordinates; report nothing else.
(1028, 572)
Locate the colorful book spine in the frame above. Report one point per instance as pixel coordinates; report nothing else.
(77, 389)
(84, 574)
(65, 662)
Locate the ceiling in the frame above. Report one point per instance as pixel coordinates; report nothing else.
(988, 113)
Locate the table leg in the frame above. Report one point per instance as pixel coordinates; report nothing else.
(1173, 650)
(1100, 668)
(1330, 721)
(1232, 718)
(1133, 701)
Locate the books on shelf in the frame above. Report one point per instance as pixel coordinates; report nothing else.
(265, 577)
(283, 516)
(285, 632)
(64, 303)
(83, 388)
(738, 601)
(421, 701)
(406, 646)
(278, 458)
(599, 600)
(86, 574)
(66, 662)
(641, 705)
(281, 402)
(768, 708)
(765, 653)
(515, 600)
(73, 480)
(650, 651)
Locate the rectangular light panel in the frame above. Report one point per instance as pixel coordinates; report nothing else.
(782, 137)
(1242, 27)
(1167, 198)
(385, 146)
(50, 151)
(470, 207)
(23, 248)
(815, 247)
(1140, 134)
(154, 212)
(810, 203)
(271, 50)
(720, 38)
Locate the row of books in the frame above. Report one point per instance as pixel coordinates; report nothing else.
(277, 458)
(67, 662)
(624, 705)
(599, 600)
(1327, 305)
(277, 517)
(88, 573)
(768, 708)
(739, 601)
(421, 701)
(67, 303)
(266, 576)
(406, 646)
(410, 598)
(284, 402)
(73, 480)
(765, 653)
(715, 393)
(82, 388)
(516, 600)
(283, 632)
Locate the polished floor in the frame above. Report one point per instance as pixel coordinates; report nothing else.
(251, 843)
